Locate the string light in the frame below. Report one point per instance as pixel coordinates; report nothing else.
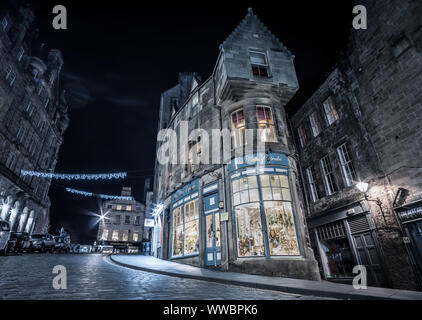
(63, 176)
(102, 196)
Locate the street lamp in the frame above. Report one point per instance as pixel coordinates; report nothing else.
(362, 186)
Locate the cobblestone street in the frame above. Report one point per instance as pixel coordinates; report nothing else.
(94, 277)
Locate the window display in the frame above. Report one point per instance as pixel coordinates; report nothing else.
(338, 257)
(177, 232)
(250, 239)
(191, 228)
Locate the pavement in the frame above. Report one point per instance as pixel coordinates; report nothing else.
(94, 276)
(285, 285)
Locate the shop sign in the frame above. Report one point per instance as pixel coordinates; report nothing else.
(410, 214)
(258, 159)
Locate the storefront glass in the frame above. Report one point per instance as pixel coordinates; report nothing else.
(177, 231)
(415, 232)
(338, 258)
(191, 227)
(280, 225)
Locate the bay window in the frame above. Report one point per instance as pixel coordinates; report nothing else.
(266, 124)
(238, 128)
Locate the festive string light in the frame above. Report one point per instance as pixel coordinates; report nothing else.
(63, 176)
(102, 196)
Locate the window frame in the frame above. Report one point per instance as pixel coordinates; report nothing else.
(241, 130)
(303, 138)
(331, 116)
(260, 67)
(347, 167)
(315, 125)
(329, 177)
(270, 124)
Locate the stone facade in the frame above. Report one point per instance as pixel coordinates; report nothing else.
(253, 79)
(33, 119)
(376, 95)
(123, 222)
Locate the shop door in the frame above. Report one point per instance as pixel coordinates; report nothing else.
(414, 232)
(368, 256)
(212, 231)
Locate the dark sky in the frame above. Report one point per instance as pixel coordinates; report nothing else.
(119, 57)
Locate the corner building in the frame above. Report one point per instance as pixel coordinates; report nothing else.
(234, 214)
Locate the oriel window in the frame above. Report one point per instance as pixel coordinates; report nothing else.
(238, 128)
(266, 124)
(259, 64)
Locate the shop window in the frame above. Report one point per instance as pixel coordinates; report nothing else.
(191, 228)
(125, 236)
(313, 193)
(266, 124)
(259, 64)
(328, 174)
(346, 165)
(135, 236)
(250, 239)
(178, 232)
(316, 129)
(330, 111)
(238, 128)
(115, 236)
(104, 235)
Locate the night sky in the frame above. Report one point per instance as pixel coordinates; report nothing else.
(119, 57)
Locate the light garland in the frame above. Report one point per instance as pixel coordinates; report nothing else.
(63, 176)
(102, 196)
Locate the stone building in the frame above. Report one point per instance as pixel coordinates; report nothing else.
(33, 119)
(123, 224)
(229, 202)
(359, 139)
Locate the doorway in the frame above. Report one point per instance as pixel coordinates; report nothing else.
(212, 231)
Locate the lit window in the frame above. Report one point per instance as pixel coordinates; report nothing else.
(259, 64)
(313, 119)
(238, 128)
(115, 236)
(125, 236)
(4, 23)
(328, 175)
(104, 236)
(119, 207)
(346, 165)
(303, 139)
(330, 111)
(135, 236)
(266, 124)
(191, 228)
(178, 233)
(311, 184)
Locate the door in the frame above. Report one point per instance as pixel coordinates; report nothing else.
(212, 231)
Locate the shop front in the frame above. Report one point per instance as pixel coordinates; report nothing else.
(410, 217)
(185, 228)
(264, 221)
(343, 239)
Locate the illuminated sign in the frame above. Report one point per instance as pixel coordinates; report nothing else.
(149, 223)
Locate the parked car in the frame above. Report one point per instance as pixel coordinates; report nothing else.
(42, 243)
(19, 242)
(4, 236)
(62, 244)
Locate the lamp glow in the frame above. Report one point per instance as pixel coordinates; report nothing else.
(362, 186)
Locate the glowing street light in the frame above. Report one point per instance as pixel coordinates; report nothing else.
(362, 186)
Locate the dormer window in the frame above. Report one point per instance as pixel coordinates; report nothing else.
(4, 23)
(259, 64)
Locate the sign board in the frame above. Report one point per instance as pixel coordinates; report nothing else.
(149, 223)
(411, 214)
(224, 216)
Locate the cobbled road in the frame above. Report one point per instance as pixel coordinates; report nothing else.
(93, 276)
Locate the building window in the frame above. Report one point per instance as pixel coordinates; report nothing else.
(311, 185)
(127, 219)
(125, 235)
(328, 174)
(115, 236)
(195, 105)
(266, 124)
(11, 161)
(20, 54)
(47, 101)
(104, 235)
(137, 220)
(117, 219)
(29, 108)
(128, 208)
(346, 165)
(238, 128)
(303, 139)
(191, 215)
(135, 236)
(178, 233)
(4, 23)
(330, 111)
(275, 196)
(10, 76)
(259, 64)
(316, 129)
(119, 207)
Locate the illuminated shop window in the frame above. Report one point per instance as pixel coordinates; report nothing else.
(238, 128)
(135, 236)
(191, 228)
(115, 236)
(125, 235)
(266, 124)
(104, 236)
(274, 197)
(178, 231)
